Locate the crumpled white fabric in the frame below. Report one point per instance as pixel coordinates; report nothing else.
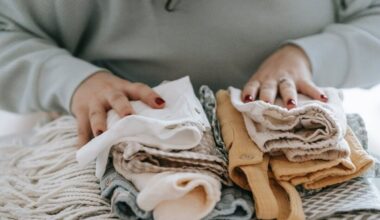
(178, 126)
(312, 130)
(185, 196)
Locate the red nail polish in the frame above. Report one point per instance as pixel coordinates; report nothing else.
(99, 132)
(248, 98)
(324, 98)
(159, 101)
(291, 102)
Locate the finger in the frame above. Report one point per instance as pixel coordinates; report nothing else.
(250, 91)
(98, 119)
(140, 91)
(288, 92)
(268, 91)
(310, 89)
(120, 103)
(84, 131)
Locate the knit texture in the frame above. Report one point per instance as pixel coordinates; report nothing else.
(312, 130)
(354, 199)
(44, 181)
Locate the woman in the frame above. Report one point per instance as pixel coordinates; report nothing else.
(87, 57)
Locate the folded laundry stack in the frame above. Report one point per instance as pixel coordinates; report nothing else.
(313, 130)
(235, 203)
(169, 154)
(133, 157)
(272, 149)
(249, 167)
(317, 174)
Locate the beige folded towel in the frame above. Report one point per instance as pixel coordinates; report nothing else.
(319, 173)
(204, 158)
(312, 130)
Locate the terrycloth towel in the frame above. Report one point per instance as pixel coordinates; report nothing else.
(319, 173)
(178, 126)
(122, 195)
(248, 167)
(175, 195)
(204, 158)
(312, 130)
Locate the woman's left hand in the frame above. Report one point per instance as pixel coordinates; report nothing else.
(287, 71)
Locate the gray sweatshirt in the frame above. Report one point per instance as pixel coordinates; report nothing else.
(48, 47)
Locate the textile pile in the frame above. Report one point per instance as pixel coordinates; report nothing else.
(208, 158)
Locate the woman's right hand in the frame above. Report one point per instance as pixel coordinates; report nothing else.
(102, 92)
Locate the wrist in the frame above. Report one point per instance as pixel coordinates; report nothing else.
(299, 53)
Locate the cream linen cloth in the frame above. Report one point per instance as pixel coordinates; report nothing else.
(174, 195)
(312, 130)
(178, 126)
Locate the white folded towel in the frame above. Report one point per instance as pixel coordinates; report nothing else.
(178, 126)
(185, 196)
(312, 130)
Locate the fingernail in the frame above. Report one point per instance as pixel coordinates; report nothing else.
(324, 98)
(99, 132)
(159, 101)
(248, 98)
(291, 102)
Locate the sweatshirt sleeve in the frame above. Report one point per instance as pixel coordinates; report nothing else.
(35, 74)
(346, 53)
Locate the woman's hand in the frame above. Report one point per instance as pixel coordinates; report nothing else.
(285, 72)
(102, 92)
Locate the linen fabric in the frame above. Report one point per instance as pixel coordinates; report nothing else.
(249, 167)
(175, 195)
(319, 173)
(178, 126)
(312, 130)
(136, 158)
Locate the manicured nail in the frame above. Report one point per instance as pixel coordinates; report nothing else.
(291, 102)
(159, 101)
(324, 98)
(99, 132)
(248, 98)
